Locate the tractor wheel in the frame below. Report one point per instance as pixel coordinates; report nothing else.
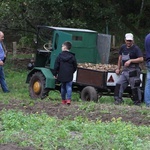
(37, 86)
(89, 93)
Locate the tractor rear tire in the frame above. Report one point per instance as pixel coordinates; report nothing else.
(37, 86)
(89, 93)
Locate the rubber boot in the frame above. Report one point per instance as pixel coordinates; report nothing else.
(118, 101)
(136, 97)
(68, 102)
(64, 101)
(138, 103)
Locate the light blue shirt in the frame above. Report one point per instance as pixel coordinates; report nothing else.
(2, 54)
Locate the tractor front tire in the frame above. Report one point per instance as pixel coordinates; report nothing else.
(89, 93)
(37, 86)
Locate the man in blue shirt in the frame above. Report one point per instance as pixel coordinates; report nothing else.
(2, 59)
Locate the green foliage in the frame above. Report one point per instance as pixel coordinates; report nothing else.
(44, 132)
(25, 41)
(85, 106)
(115, 17)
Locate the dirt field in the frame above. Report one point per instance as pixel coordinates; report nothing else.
(104, 112)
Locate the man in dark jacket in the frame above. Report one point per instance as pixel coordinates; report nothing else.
(65, 66)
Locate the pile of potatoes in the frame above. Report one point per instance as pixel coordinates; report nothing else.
(98, 67)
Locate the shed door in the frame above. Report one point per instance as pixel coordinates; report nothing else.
(58, 39)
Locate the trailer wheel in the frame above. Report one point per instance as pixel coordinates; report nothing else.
(89, 93)
(37, 86)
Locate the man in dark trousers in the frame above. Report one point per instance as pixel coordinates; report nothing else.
(130, 56)
(2, 60)
(147, 85)
(65, 66)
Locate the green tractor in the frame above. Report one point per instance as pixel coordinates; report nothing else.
(88, 46)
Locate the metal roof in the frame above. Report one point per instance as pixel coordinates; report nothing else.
(69, 29)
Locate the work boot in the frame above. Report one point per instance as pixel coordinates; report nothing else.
(68, 102)
(64, 101)
(118, 101)
(138, 103)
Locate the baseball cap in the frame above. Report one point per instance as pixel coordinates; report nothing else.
(129, 36)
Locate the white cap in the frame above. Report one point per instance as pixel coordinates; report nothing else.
(129, 36)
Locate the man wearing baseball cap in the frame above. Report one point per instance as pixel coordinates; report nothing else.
(129, 36)
(130, 56)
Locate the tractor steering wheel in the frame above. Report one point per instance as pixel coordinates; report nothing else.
(47, 47)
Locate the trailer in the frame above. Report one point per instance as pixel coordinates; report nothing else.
(94, 84)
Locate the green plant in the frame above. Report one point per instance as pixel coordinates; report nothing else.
(88, 106)
(45, 132)
(25, 41)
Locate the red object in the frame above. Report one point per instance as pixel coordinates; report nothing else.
(64, 101)
(68, 102)
(111, 79)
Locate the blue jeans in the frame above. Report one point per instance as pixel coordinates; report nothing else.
(66, 90)
(2, 80)
(147, 86)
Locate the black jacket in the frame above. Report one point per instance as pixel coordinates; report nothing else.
(65, 66)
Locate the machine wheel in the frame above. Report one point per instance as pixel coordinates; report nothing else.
(89, 93)
(37, 86)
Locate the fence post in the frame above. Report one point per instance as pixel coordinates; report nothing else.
(113, 41)
(14, 49)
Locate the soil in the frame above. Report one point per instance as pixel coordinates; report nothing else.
(103, 112)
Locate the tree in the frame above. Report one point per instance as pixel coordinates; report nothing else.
(112, 16)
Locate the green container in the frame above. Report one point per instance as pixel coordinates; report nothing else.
(84, 44)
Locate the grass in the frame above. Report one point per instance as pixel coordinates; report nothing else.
(49, 133)
(20, 55)
(16, 84)
(44, 132)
